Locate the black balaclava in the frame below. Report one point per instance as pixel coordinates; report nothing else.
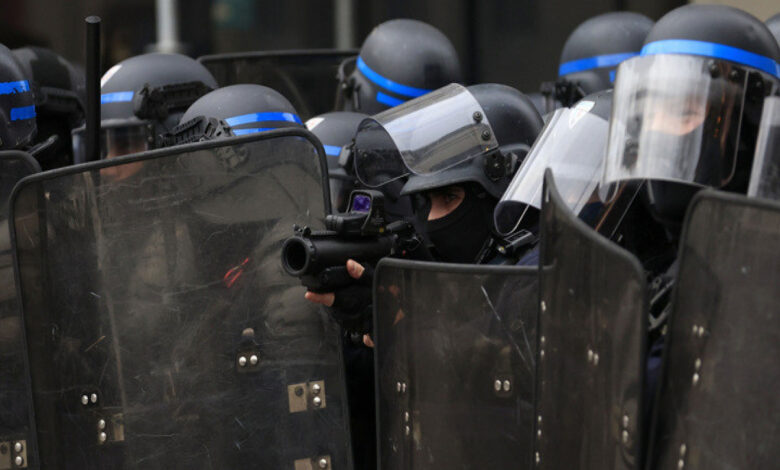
(459, 236)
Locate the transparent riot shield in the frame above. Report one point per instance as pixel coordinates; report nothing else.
(14, 402)
(592, 329)
(308, 78)
(718, 406)
(162, 331)
(455, 352)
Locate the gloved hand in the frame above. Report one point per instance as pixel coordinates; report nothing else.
(351, 306)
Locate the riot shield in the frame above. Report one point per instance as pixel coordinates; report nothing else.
(162, 331)
(308, 78)
(14, 403)
(455, 352)
(592, 329)
(718, 405)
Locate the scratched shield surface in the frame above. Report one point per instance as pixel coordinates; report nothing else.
(14, 402)
(162, 331)
(455, 354)
(592, 330)
(718, 406)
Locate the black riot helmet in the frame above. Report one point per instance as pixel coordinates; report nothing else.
(686, 110)
(477, 134)
(59, 90)
(17, 105)
(773, 24)
(142, 98)
(592, 53)
(233, 111)
(455, 138)
(336, 130)
(400, 60)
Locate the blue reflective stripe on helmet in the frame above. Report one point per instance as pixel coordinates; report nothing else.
(251, 131)
(7, 88)
(599, 61)
(714, 50)
(387, 99)
(262, 117)
(332, 150)
(388, 84)
(24, 112)
(116, 97)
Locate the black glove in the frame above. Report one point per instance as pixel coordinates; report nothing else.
(353, 305)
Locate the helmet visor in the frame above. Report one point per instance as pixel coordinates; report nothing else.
(572, 145)
(115, 140)
(428, 134)
(765, 178)
(675, 118)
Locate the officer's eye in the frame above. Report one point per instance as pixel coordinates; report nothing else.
(451, 197)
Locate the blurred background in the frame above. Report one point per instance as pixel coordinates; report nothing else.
(517, 42)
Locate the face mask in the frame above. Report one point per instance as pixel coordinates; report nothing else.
(459, 236)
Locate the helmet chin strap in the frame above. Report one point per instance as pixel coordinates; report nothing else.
(422, 207)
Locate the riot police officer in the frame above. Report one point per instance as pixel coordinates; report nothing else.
(400, 60)
(59, 90)
(685, 116)
(142, 98)
(592, 53)
(234, 110)
(17, 104)
(457, 202)
(455, 152)
(687, 110)
(470, 141)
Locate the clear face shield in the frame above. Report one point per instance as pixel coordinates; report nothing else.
(431, 133)
(116, 139)
(765, 177)
(675, 118)
(572, 146)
